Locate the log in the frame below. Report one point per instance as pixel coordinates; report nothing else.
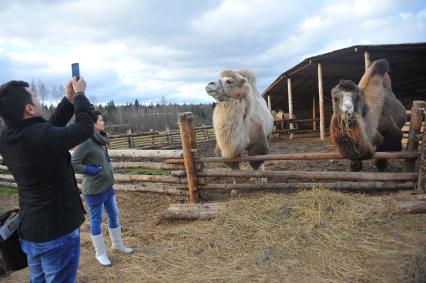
(186, 126)
(151, 188)
(298, 156)
(420, 197)
(347, 186)
(199, 211)
(321, 103)
(7, 177)
(411, 206)
(145, 153)
(415, 127)
(290, 105)
(366, 60)
(123, 178)
(146, 165)
(313, 175)
(9, 184)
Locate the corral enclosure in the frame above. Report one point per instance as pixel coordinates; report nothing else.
(298, 89)
(272, 231)
(309, 236)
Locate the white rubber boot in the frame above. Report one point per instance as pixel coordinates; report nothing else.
(101, 254)
(117, 241)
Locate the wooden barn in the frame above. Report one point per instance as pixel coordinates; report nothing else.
(304, 90)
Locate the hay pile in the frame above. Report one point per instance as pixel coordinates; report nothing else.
(312, 236)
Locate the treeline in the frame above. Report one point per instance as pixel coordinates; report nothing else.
(159, 117)
(134, 116)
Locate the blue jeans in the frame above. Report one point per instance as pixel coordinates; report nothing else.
(95, 211)
(54, 261)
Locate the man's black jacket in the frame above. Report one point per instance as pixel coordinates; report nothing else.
(36, 153)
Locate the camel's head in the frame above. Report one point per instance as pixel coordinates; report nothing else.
(346, 97)
(230, 85)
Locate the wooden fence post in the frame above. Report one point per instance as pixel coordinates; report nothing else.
(152, 138)
(186, 126)
(206, 133)
(290, 106)
(413, 135)
(366, 60)
(314, 114)
(321, 103)
(169, 136)
(421, 163)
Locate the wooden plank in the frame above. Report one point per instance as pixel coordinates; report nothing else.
(321, 103)
(123, 178)
(199, 211)
(145, 153)
(150, 188)
(312, 175)
(314, 114)
(349, 186)
(298, 156)
(290, 105)
(366, 60)
(411, 206)
(146, 165)
(188, 143)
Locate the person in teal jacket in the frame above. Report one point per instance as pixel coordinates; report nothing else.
(91, 159)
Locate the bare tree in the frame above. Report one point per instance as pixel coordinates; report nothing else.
(57, 93)
(42, 92)
(33, 87)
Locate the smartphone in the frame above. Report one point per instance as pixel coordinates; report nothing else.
(75, 69)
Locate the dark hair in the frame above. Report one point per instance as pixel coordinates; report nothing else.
(13, 98)
(347, 85)
(95, 115)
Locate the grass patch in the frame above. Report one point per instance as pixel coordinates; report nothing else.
(8, 190)
(141, 171)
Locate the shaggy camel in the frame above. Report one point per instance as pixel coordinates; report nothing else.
(367, 117)
(241, 119)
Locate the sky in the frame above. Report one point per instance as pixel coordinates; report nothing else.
(168, 50)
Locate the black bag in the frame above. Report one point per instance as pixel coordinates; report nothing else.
(10, 249)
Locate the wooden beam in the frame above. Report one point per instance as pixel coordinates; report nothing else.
(321, 103)
(298, 156)
(145, 165)
(366, 60)
(312, 175)
(415, 127)
(290, 104)
(306, 186)
(269, 103)
(186, 125)
(314, 113)
(193, 211)
(145, 153)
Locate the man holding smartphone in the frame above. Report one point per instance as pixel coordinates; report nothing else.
(36, 153)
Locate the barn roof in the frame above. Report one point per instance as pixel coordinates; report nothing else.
(407, 71)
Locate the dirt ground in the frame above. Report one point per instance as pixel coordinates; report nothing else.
(390, 248)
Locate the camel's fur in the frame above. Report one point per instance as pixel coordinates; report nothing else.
(377, 121)
(241, 119)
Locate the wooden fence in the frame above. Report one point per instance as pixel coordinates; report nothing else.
(200, 181)
(170, 139)
(182, 172)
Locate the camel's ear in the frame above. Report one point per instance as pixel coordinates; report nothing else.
(243, 80)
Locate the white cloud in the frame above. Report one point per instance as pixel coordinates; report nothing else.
(132, 49)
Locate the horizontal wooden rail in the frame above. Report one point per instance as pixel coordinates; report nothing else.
(312, 175)
(144, 178)
(304, 186)
(298, 156)
(146, 165)
(145, 153)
